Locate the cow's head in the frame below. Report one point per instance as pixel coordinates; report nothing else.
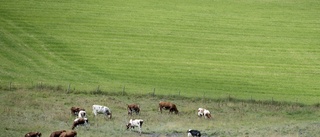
(128, 125)
(137, 109)
(73, 132)
(174, 110)
(109, 115)
(208, 115)
(86, 120)
(82, 113)
(39, 134)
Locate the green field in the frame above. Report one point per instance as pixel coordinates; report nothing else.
(261, 49)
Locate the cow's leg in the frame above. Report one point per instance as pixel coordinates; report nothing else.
(94, 113)
(140, 129)
(129, 111)
(86, 124)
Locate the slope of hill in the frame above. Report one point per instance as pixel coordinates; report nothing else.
(262, 49)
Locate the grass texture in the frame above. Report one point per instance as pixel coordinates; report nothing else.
(262, 49)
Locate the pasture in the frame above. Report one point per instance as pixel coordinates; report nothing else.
(49, 110)
(218, 54)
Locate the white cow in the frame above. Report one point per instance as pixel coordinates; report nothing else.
(82, 114)
(98, 109)
(204, 112)
(135, 123)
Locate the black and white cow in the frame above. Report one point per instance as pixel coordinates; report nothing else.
(193, 133)
(135, 123)
(98, 109)
(82, 114)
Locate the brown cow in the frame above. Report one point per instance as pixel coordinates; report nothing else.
(57, 133)
(133, 107)
(168, 106)
(71, 133)
(75, 110)
(79, 121)
(33, 134)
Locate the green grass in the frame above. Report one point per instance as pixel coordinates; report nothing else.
(48, 110)
(259, 49)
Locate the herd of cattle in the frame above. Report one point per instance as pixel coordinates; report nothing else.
(82, 119)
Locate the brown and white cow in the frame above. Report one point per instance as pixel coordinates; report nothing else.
(133, 108)
(33, 134)
(79, 121)
(168, 106)
(71, 133)
(204, 112)
(76, 110)
(57, 133)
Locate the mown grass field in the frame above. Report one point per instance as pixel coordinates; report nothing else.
(47, 110)
(259, 49)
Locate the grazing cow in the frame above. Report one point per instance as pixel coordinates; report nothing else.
(57, 133)
(204, 112)
(193, 133)
(82, 114)
(133, 108)
(135, 123)
(79, 121)
(76, 110)
(98, 109)
(71, 133)
(168, 106)
(33, 134)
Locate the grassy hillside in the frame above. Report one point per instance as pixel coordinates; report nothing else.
(46, 111)
(250, 48)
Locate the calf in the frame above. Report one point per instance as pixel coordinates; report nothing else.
(98, 109)
(33, 134)
(204, 112)
(168, 106)
(71, 133)
(76, 110)
(79, 121)
(133, 108)
(135, 123)
(193, 133)
(82, 114)
(57, 133)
